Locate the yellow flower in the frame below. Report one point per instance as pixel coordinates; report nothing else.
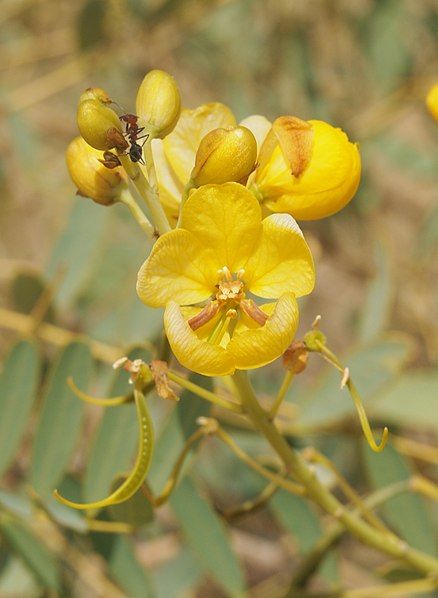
(308, 169)
(204, 271)
(432, 101)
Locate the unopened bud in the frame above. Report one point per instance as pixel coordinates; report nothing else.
(314, 339)
(100, 126)
(225, 155)
(95, 93)
(158, 103)
(90, 176)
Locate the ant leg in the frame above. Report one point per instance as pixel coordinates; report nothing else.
(145, 137)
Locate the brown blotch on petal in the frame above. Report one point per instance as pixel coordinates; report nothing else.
(116, 139)
(295, 137)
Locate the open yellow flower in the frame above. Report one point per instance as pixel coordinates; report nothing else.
(308, 169)
(205, 271)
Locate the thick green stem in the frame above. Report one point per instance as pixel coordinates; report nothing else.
(296, 465)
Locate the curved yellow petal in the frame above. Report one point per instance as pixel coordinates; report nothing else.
(193, 353)
(254, 347)
(327, 184)
(178, 269)
(169, 186)
(282, 262)
(181, 145)
(226, 218)
(259, 127)
(135, 479)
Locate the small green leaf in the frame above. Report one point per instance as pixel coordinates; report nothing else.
(177, 576)
(36, 556)
(207, 536)
(378, 301)
(59, 426)
(26, 289)
(297, 518)
(77, 248)
(411, 401)
(137, 511)
(407, 512)
(18, 383)
(180, 425)
(127, 571)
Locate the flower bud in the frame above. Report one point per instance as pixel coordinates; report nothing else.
(158, 103)
(432, 101)
(90, 176)
(95, 93)
(307, 169)
(225, 155)
(100, 126)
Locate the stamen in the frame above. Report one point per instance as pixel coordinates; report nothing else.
(204, 316)
(253, 311)
(240, 274)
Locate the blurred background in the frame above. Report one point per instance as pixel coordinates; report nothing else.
(362, 65)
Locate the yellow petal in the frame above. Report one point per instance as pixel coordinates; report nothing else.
(326, 185)
(282, 262)
(169, 186)
(226, 218)
(255, 347)
(193, 353)
(259, 127)
(181, 145)
(177, 269)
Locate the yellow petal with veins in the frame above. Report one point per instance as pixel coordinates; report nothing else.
(169, 186)
(282, 262)
(193, 353)
(178, 269)
(259, 127)
(181, 145)
(255, 347)
(226, 218)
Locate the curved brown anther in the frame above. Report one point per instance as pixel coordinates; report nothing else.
(253, 311)
(204, 316)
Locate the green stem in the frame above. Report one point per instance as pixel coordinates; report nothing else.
(334, 533)
(127, 199)
(296, 465)
(287, 381)
(203, 393)
(146, 191)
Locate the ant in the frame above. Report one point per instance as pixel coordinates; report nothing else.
(132, 131)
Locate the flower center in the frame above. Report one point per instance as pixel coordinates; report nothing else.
(230, 289)
(230, 296)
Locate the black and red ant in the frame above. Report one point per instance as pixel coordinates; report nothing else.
(132, 132)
